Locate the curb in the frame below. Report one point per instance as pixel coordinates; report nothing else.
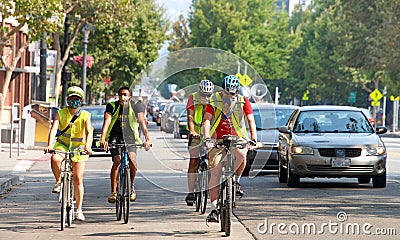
(8, 181)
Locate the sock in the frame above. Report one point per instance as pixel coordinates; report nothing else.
(214, 204)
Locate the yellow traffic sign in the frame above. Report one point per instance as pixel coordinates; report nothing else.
(392, 98)
(305, 95)
(240, 76)
(246, 80)
(376, 95)
(375, 103)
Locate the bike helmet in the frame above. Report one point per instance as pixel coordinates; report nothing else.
(75, 91)
(231, 84)
(206, 87)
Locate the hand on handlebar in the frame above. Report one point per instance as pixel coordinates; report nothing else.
(104, 144)
(48, 149)
(209, 142)
(194, 135)
(147, 145)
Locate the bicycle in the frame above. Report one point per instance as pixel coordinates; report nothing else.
(201, 184)
(226, 197)
(66, 196)
(124, 184)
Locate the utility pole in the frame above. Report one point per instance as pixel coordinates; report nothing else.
(66, 74)
(86, 31)
(42, 73)
(384, 107)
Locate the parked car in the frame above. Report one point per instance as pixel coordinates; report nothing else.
(268, 118)
(160, 112)
(331, 141)
(172, 112)
(156, 109)
(180, 126)
(97, 119)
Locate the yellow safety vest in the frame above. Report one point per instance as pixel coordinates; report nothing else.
(198, 113)
(75, 137)
(133, 122)
(237, 116)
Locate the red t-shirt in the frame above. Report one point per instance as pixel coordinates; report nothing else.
(190, 103)
(225, 126)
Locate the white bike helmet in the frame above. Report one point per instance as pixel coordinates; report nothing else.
(231, 84)
(206, 87)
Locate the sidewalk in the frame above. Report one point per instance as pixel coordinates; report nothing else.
(12, 169)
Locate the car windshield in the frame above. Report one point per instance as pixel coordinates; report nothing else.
(265, 118)
(97, 113)
(338, 121)
(178, 109)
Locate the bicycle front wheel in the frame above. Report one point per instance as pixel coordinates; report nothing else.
(197, 191)
(118, 201)
(70, 200)
(204, 191)
(228, 207)
(64, 199)
(126, 193)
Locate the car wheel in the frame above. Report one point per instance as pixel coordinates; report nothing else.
(379, 181)
(364, 179)
(293, 180)
(282, 172)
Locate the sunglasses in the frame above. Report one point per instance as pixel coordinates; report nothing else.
(205, 94)
(123, 94)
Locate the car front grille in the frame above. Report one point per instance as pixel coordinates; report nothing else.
(351, 169)
(331, 152)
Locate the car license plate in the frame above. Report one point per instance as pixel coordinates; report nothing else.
(341, 162)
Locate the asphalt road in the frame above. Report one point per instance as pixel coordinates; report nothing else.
(335, 208)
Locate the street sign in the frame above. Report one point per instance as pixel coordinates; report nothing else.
(246, 80)
(376, 95)
(305, 95)
(392, 98)
(375, 103)
(352, 97)
(240, 76)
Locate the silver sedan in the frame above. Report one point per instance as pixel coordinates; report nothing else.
(331, 141)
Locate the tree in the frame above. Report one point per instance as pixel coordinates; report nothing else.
(38, 17)
(126, 41)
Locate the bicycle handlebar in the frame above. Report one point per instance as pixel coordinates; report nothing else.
(81, 152)
(119, 145)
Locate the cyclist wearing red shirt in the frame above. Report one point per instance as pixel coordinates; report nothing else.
(195, 108)
(226, 115)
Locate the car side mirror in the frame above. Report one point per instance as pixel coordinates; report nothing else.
(284, 129)
(381, 130)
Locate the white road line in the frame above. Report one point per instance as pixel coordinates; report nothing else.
(22, 166)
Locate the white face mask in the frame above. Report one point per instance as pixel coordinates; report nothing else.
(124, 98)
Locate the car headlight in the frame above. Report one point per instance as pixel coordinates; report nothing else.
(302, 150)
(375, 151)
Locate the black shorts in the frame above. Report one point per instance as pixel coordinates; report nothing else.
(117, 151)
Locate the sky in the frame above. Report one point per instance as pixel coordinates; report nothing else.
(175, 7)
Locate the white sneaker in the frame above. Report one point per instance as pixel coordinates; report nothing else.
(79, 216)
(57, 188)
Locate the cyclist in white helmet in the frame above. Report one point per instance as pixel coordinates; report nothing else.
(195, 107)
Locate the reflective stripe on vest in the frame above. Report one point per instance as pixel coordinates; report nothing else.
(133, 122)
(198, 113)
(75, 136)
(237, 116)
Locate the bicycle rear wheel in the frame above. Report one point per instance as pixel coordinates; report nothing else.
(64, 199)
(221, 206)
(228, 207)
(204, 191)
(126, 193)
(118, 201)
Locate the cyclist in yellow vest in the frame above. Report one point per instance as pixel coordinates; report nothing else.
(78, 136)
(226, 115)
(195, 107)
(121, 124)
